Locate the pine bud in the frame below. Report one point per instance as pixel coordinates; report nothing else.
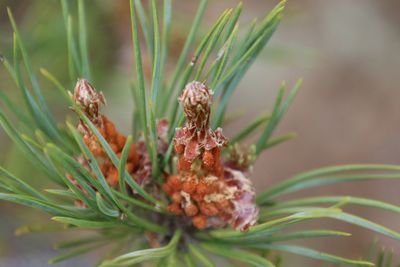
(89, 100)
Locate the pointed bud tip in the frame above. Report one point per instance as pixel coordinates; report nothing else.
(89, 99)
(196, 93)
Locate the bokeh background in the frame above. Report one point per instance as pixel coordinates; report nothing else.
(347, 52)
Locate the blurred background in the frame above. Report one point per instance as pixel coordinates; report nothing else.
(347, 52)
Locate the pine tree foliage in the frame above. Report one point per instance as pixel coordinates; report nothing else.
(129, 223)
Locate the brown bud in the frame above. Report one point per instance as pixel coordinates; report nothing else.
(200, 221)
(114, 147)
(189, 187)
(121, 140)
(110, 129)
(112, 176)
(132, 155)
(89, 100)
(196, 94)
(208, 160)
(197, 197)
(129, 167)
(167, 189)
(208, 209)
(104, 168)
(175, 182)
(225, 216)
(203, 188)
(176, 197)
(102, 132)
(223, 205)
(191, 210)
(179, 148)
(174, 208)
(184, 164)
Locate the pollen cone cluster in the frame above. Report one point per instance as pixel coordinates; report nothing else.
(138, 163)
(209, 190)
(90, 101)
(213, 193)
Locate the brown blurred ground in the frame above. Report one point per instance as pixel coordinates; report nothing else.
(346, 51)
